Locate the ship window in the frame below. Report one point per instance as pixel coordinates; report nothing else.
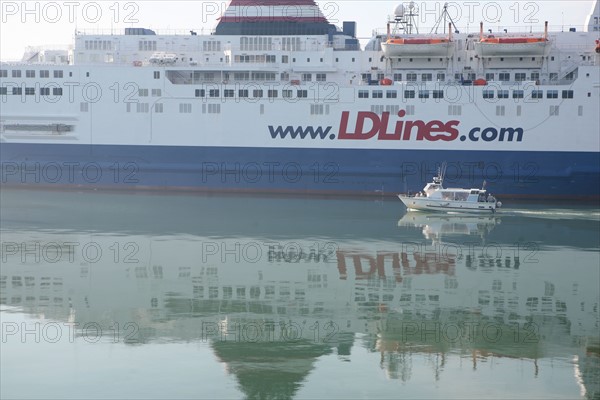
(438, 94)
(518, 111)
(3, 73)
(242, 93)
(410, 110)
(363, 94)
(398, 77)
(580, 111)
(4, 91)
(552, 94)
(214, 109)
(377, 109)
(535, 76)
(567, 94)
(308, 60)
(158, 108)
(128, 107)
(504, 76)
(409, 94)
(457, 77)
(391, 94)
(500, 111)
(377, 94)
(489, 76)
(285, 59)
(200, 92)
(554, 111)
(30, 73)
(272, 94)
(17, 91)
(391, 109)
(423, 94)
(454, 109)
(441, 77)
(57, 91)
(518, 94)
(229, 93)
(257, 93)
(84, 107)
(211, 45)
(553, 76)
(143, 92)
(520, 76)
(589, 94)
(287, 94)
(144, 107)
(156, 74)
(488, 94)
(302, 94)
(316, 109)
(16, 73)
(58, 74)
(307, 77)
(426, 77)
(156, 92)
(353, 59)
(213, 93)
(185, 108)
(537, 94)
(503, 94)
(411, 77)
(321, 77)
(29, 91)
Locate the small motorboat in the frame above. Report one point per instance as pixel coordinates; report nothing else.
(434, 197)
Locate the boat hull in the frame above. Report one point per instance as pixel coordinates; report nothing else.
(435, 205)
(297, 170)
(512, 49)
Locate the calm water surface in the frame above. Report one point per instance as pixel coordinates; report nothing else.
(108, 295)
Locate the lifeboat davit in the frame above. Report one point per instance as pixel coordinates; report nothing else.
(418, 47)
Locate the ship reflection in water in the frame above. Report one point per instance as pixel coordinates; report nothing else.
(120, 295)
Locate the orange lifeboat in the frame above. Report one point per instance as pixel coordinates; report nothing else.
(386, 82)
(418, 47)
(417, 41)
(598, 46)
(479, 82)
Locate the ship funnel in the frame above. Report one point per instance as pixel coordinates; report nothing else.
(450, 31)
(546, 31)
(481, 31)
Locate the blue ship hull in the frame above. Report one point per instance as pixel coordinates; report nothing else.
(544, 175)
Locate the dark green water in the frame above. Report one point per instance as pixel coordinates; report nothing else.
(107, 295)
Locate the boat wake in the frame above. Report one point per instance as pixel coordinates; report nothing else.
(555, 214)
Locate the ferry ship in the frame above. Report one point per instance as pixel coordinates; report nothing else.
(277, 99)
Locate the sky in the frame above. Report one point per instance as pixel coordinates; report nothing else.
(53, 23)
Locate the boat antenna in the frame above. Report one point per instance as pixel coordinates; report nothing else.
(442, 172)
(444, 16)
